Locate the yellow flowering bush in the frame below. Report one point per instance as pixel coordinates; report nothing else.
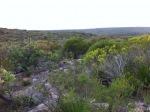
(5, 76)
(97, 55)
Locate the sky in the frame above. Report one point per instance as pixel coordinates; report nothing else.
(73, 14)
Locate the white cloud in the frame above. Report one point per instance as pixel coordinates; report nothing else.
(71, 14)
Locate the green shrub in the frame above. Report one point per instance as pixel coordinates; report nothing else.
(139, 67)
(84, 85)
(147, 98)
(143, 75)
(101, 44)
(118, 94)
(55, 56)
(72, 103)
(122, 87)
(83, 78)
(75, 47)
(6, 76)
(25, 57)
(23, 101)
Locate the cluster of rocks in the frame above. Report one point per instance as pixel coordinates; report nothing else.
(141, 107)
(137, 107)
(44, 102)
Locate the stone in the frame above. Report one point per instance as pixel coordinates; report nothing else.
(101, 105)
(122, 109)
(54, 96)
(48, 86)
(66, 70)
(61, 68)
(34, 80)
(40, 108)
(140, 107)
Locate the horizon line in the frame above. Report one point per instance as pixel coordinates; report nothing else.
(69, 29)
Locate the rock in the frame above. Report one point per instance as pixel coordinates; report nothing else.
(38, 97)
(140, 107)
(48, 86)
(70, 62)
(101, 105)
(34, 80)
(26, 79)
(61, 68)
(40, 108)
(148, 108)
(66, 70)
(92, 101)
(56, 70)
(122, 109)
(54, 96)
(79, 60)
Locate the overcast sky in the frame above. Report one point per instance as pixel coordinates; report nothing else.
(73, 14)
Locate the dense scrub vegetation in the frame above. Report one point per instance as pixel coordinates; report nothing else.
(102, 75)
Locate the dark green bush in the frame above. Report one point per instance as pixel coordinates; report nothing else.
(75, 47)
(142, 73)
(138, 64)
(25, 57)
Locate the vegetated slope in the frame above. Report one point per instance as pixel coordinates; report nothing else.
(15, 34)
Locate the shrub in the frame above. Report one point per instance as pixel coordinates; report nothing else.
(108, 61)
(118, 93)
(75, 47)
(122, 87)
(138, 65)
(83, 78)
(55, 56)
(143, 74)
(101, 44)
(96, 56)
(4, 61)
(147, 98)
(84, 85)
(23, 101)
(72, 103)
(6, 78)
(25, 57)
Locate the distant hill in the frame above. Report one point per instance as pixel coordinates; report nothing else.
(15, 34)
(117, 31)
